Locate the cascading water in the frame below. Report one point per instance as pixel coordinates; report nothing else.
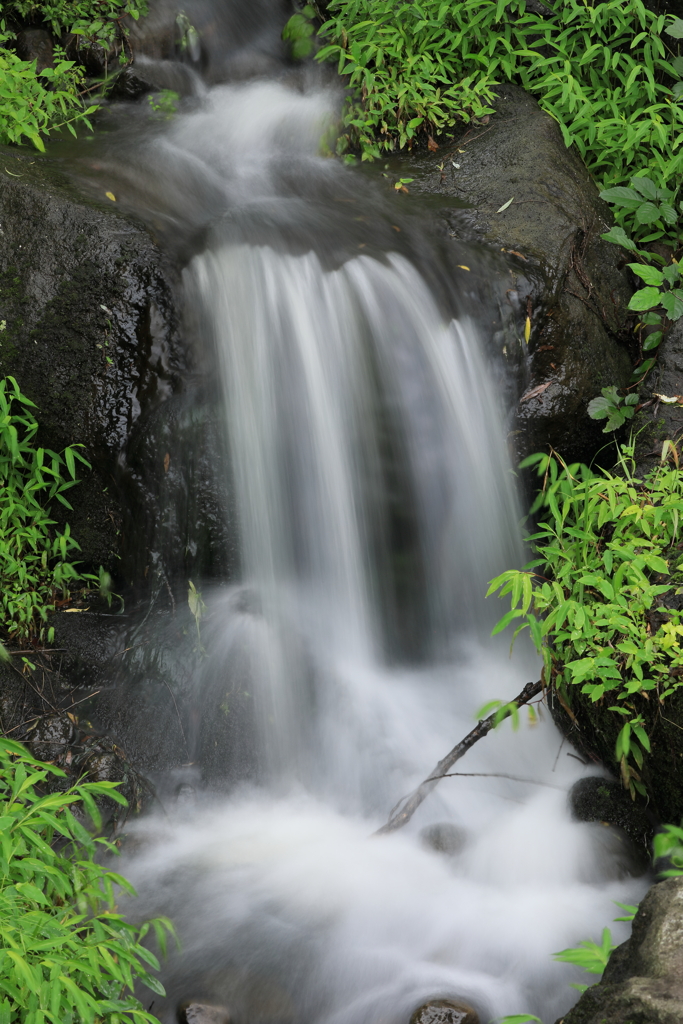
(375, 500)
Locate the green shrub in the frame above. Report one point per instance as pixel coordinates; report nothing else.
(33, 104)
(35, 565)
(605, 72)
(67, 956)
(608, 552)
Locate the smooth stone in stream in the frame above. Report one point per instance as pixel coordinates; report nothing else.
(445, 1011)
(202, 1013)
(443, 837)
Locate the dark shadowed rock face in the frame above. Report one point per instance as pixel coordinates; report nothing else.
(561, 274)
(643, 982)
(91, 333)
(90, 330)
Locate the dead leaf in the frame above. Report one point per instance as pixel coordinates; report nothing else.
(395, 227)
(513, 252)
(432, 146)
(167, 462)
(669, 399)
(535, 392)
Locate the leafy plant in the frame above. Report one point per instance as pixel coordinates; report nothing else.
(668, 845)
(607, 554)
(588, 955)
(613, 407)
(605, 72)
(32, 103)
(299, 32)
(67, 955)
(164, 102)
(35, 558)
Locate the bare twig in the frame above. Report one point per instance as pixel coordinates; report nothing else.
(500, 775)
(406, 808)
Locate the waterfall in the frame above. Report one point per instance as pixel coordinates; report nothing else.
(366, 442)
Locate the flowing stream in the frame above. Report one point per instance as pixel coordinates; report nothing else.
(364, 432)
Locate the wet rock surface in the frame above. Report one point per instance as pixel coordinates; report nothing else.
(605, 800)
(91, 331)
(593, 731)
(660, 420)
(445, 1011)
(202, 1013)
(643, 981)
(569, 282)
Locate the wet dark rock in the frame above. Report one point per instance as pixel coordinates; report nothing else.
(605, 800)
(221, 37)
(570, 282)
(96, 60)
(643, 981)
(36, 44)
(445, 1011)
(443, 837)
(51, 736)
(91, 332)
(660, 420)
(594, 730)
(104, 768)
(202, 1013)
(146, 76)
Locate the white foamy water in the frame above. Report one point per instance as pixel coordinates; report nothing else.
(375, 501)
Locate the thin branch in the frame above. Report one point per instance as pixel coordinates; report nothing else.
(407, 808)
(499, 775)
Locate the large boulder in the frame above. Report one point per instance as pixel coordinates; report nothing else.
(91, 331)
(643, 981)
(513, 185)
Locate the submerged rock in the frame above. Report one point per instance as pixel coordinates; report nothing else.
(445, 1011)
(528, 195)
(202, 1013)
(643, 981)
(444, 837)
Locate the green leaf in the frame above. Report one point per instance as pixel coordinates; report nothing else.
(618, 236)
(647, 213)
(650, 275)
(645, 298)
(675, 29)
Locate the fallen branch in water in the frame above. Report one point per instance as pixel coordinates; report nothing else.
(407, 807)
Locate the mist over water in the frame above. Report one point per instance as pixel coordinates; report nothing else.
(366, 443)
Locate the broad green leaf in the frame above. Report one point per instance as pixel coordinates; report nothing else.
(646, 298)
(650, 275)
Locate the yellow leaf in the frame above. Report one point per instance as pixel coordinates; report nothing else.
(110, 195)
(462, 266)
(527, 329)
